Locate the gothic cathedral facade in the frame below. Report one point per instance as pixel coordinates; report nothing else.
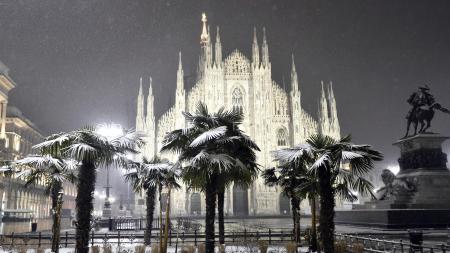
(274, 119)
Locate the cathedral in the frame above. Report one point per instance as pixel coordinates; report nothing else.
(274, 118)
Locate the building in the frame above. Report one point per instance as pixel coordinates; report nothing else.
(274, 118)
(19, 205)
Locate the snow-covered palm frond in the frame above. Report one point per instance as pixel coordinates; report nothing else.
(200, 158)
(157, 166)
(227, 140)
(80, 151)
(130, 140)
(53, 140)
(24, 173)
(321, 161)
(222, 161)
(37, 161)
(71, 164)
(209, 135)
(59, 177)
(348, 155)
(291, 154)
(6, 168)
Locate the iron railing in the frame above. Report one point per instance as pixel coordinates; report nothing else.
(40, 239)
(383, 245)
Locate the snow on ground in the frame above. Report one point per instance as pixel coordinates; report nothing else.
(129, 248)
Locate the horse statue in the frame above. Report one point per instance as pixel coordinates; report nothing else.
(422, 112)
(423, 116)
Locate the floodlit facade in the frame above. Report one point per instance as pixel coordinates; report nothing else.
(19, 204)
(274, 118)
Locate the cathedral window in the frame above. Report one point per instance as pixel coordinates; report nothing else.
(281, 137)
(237, 100)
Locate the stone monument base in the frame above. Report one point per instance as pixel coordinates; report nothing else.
(395, 218)
(418, 197)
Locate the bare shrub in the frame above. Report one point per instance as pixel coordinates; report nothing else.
(155, 248)
(139, 249)
(107, 249)
(263, 246)
(357, 248)
(222, 248)
(291, 247)
(201, 248)
(189, 249)
(95, 249)
(340, 247)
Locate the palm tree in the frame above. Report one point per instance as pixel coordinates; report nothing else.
(287, 176)
(92, 150)
(53, 172)
(327, 157)
(170, 182)
(309, 189)
(238, 176)
(203, 146)
(149, 177)
(239, 146)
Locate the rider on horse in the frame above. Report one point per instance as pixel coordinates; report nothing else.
(420, 98)
(422, 112)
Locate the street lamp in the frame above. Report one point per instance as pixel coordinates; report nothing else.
(109, 131)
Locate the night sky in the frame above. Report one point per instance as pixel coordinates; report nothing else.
(79, 62)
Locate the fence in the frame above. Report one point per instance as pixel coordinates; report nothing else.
(38, 240)
(382, 245)
(179, 237)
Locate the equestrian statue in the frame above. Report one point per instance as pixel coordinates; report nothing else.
(422, 111)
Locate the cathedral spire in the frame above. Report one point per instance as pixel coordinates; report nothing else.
(209, 53)
(334, 121)
(150, 140)
(140, 109)
(255, 49)
(294, 77)
(265, 49)
(204, 37)
(324, 123)
(218, 48)
(150, 103)
(180, 74)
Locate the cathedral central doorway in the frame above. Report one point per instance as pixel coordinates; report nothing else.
(240, 201)
(196, 206)
(285, 205)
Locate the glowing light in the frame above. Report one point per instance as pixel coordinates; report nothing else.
(394, 169)
(110, 131)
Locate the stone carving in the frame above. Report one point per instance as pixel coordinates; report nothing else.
(394, 186)
(423, 158)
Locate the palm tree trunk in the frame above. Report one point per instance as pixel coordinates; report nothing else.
(313, 224)
(160, 219)
(150, 203)
(210, 199)
(84, 205)
(166, 226)
(326, 215)
(295, 206)
(220, 207)
(56, 215)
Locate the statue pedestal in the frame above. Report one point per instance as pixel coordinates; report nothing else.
(422, 194)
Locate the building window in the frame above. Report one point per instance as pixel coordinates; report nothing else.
(237, 100)
(281, 137)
